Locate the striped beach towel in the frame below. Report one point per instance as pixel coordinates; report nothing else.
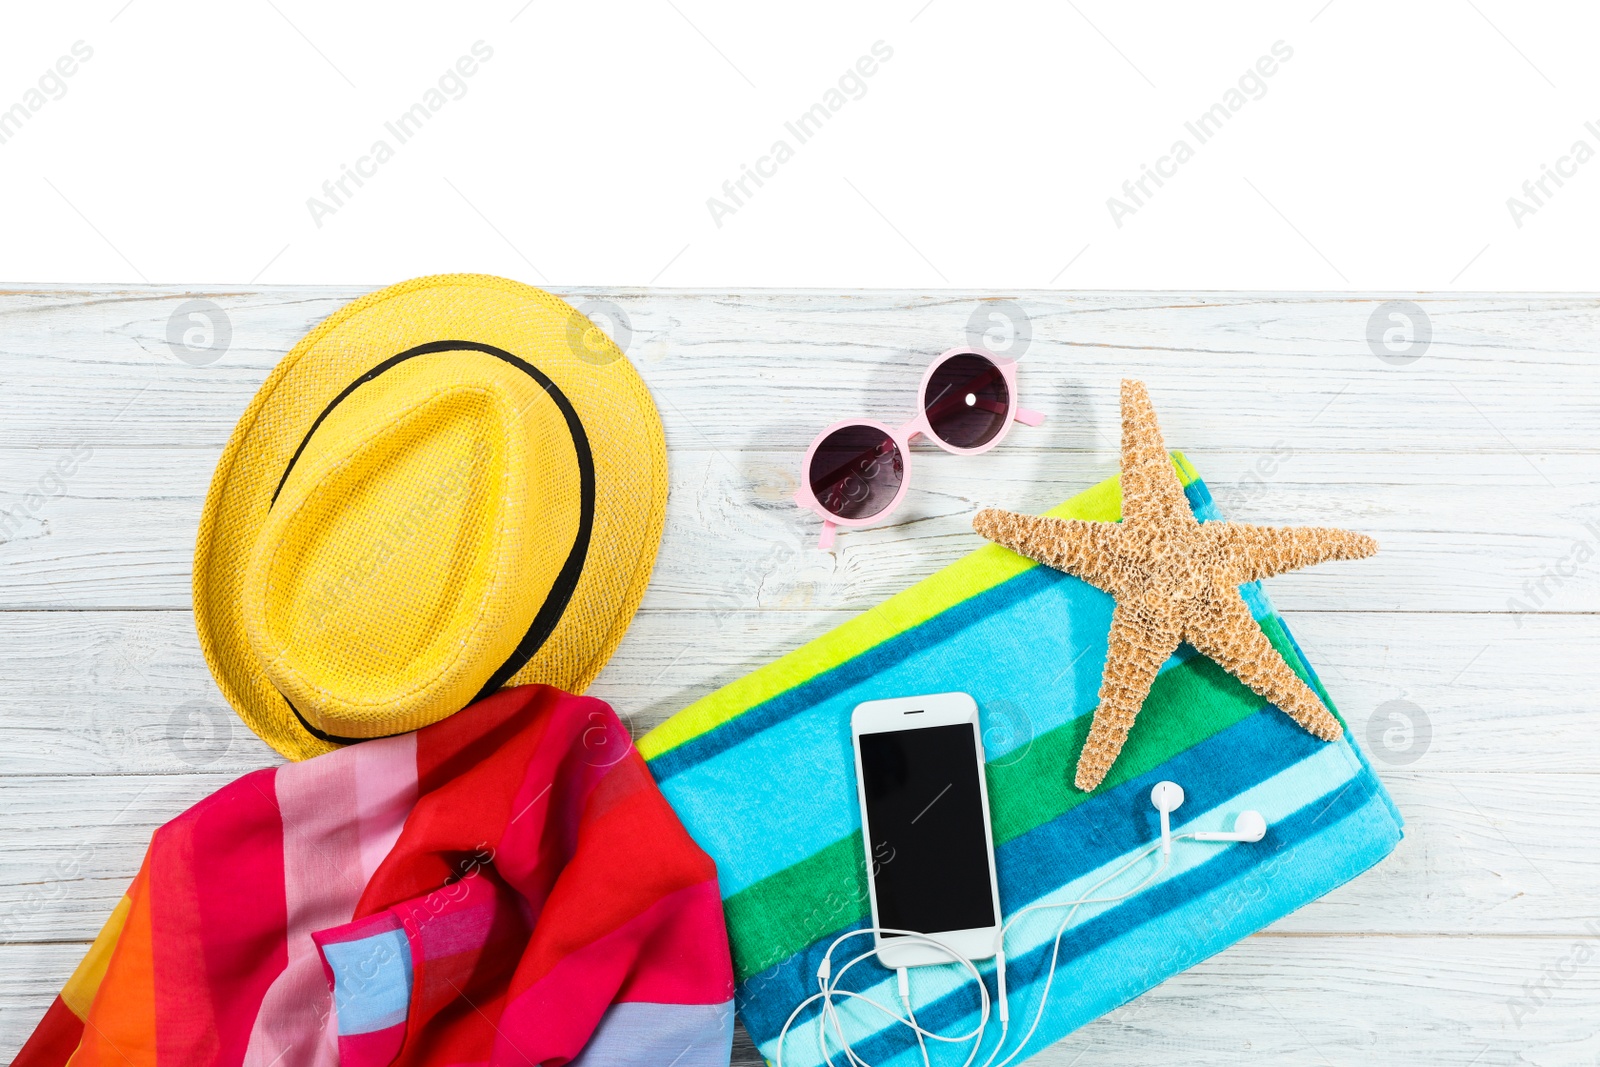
(761, 773)
(506, 886)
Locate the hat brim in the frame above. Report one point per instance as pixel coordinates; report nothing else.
(570, 641)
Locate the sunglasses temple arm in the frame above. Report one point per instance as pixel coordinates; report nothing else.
(1028, 417)
(825, 542)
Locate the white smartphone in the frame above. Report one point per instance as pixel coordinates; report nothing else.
(925, 826)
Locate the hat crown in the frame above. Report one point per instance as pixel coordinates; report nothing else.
(410, 543)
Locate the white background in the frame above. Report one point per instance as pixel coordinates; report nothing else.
(982, 154)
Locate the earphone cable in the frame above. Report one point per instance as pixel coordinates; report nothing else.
(828, 980)
(1075, 905)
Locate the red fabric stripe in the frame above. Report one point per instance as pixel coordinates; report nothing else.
(674, 952)
(217, 948)
(469, 767)
(54, 1040)
(604, 883)
(375, 1049)
(683, 957)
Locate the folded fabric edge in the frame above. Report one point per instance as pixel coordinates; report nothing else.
(975, 573)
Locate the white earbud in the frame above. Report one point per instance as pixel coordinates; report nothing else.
(1247, 826)
(1167, 797)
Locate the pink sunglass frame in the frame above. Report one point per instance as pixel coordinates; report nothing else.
(902, 438)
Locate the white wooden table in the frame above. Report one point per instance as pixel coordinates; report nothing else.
(1463, 654)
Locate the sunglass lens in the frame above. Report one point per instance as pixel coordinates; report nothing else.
(856, 471)
(966, 400)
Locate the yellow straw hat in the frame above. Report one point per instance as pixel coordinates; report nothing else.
(453, 484)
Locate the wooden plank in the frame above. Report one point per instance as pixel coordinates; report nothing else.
(767, 368)
(1303, 1002)
(1376, 1000)
(1485, 853)
(112, 692)
(1459, 533)
(72, 844)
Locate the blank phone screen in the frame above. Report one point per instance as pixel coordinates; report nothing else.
(929, 853)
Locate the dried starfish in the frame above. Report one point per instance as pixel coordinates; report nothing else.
(1174, 579)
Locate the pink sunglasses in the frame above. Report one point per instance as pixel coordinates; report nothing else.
(856, 471)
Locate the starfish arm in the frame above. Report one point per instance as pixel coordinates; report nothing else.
(1083, 549)
(1253, 552)
(1151, 492)
(1139, 644)
(1226, 632)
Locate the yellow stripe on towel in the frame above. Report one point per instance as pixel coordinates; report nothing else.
(967, 577)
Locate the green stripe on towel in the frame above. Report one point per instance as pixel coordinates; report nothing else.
(983, 569)
(784, 913)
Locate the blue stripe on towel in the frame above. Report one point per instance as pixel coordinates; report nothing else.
(1168, 927)
(1095, 832)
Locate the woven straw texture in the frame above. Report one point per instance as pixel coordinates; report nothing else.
(1174, 580)
(428, 516)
